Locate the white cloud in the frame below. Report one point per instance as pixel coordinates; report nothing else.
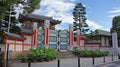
(113, 15)
(58, 9)
(93, 25)
(114, 12)
(61, 10)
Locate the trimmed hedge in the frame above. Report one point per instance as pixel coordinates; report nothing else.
(40, 54)
(90, 53)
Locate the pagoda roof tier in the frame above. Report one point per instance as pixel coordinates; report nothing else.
(37, 18)
(28, 30)
(14, 36)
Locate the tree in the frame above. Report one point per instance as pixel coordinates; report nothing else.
(7, 9)
(116, 26)
(80, 19)
(116, 23)
(29, 6)
(93, 36)
(33, 5)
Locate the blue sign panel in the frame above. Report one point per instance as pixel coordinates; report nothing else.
(53, 46)
(39, 45)
(63, 47)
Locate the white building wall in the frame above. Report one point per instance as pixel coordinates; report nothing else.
(26, 48)
(107, 41)
(11, 47)
(10, 41)
(82, 42)
(18, 47)
(28, 40)
(102, 41)
(13, 44)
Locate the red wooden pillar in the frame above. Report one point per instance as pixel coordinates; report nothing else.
(71, 37)
(22, 46)
(46, 33)
(78, 38)
(34, 34)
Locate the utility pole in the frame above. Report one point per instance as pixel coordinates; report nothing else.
(9, 22)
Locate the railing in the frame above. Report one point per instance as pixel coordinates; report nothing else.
(79, 61)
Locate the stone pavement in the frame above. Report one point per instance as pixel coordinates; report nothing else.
(68, 62)
(111, 64)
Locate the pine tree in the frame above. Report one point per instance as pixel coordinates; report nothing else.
(80, 19)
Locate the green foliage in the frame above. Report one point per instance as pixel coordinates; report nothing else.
(116, 23)
(15, 29)
(5, 7)
(90, 53)
(34, 4)
(116, 26)
(93, 35)
(79, 18)
(42, 54)
(25, 57)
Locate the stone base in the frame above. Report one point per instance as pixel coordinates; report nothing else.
(114, 51)
(70, 48)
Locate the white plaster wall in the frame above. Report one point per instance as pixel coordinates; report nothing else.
(75, 44)
(11, 47)
(18, 47)
(28, 40)
(10, 41)
(103, 41)
(82, 43)
(27, 48)
(107, 41)
(19, 42)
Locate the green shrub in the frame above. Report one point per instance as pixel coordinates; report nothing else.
(25, 58)
(91, 53)
(42, 54)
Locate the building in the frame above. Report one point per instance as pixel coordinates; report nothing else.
(27, 38)
(37, 30)
(105, 38)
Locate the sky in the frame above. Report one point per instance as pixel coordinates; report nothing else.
(99, 12)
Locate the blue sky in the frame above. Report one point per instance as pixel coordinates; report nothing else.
(99, 12)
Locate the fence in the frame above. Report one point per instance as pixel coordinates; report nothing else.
(72, 62)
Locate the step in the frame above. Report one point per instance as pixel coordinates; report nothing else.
(66, 55)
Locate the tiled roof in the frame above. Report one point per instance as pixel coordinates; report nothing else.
(27, 29)
(102, 32)
(14, 35)
(93, 41)
(40, 17)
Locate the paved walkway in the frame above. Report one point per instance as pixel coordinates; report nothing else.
(112, 64)
(69, 62)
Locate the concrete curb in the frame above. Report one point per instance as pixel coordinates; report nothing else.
(105, 63)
